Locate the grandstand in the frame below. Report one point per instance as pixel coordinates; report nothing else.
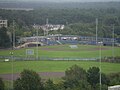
(70, 39)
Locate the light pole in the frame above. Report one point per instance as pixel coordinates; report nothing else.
(100, 57)
(96, 30)
(37, 43)
(11, 54)
(13, 34)
(113, 42)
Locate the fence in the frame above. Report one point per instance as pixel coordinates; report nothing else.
(18, 58)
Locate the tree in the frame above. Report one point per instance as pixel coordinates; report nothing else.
(75, 77)
(4, 38)
(49, 85)
(29, 80)
(2, 84)
(103, 87)
(80, 21)
(114, 78)
(93, 75)
(104, 79)
(18, 84)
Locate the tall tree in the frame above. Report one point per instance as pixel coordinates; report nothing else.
(4, 38)
(29, 80)
(75, 77)
(93, 75)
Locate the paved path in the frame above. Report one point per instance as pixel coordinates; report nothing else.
(42, 74)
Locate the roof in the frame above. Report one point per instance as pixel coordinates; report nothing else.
(116, 86)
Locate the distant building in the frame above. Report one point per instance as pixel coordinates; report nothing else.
(117, 87)
(25, 9)
(49, 27)
(3, 23)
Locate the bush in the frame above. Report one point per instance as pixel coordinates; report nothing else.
(2, 84)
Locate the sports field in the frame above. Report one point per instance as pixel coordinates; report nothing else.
(60, 51)
(83, 51)
(54, 66)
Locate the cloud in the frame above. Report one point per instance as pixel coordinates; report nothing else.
(64, 0)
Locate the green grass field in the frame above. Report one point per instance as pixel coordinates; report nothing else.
(54, 66)
(83, 51)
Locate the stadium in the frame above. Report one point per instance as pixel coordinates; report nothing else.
(51, 55)
(77, 49)
(63, 47)
(70, 39)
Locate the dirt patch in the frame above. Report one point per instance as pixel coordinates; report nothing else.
(42, 74)
(74, 50)
(96, 49)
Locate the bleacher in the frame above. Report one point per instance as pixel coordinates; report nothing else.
(55, 40)
(51, 42)
(69, 41)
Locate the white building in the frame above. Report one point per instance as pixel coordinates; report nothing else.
(116, 87)
(49, 27)
(3, 23)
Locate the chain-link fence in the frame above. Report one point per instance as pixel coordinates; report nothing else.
(18, 58)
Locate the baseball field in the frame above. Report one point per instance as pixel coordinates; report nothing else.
(57, 68)
(82, 51)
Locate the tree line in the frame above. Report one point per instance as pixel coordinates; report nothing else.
(77, 21)
(76, 78)
(5, 40)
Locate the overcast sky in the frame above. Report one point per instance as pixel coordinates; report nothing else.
(65, 0)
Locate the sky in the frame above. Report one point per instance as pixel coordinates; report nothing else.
(65, 0)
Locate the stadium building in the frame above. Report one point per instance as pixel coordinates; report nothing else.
(70, 39)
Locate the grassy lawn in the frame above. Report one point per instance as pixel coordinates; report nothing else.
(83, 51)
(54, 66)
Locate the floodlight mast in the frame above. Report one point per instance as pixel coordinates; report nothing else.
(113, 41)
(13, 34)
(37, 43)
(96, 30)
(46, 28)
(100, 50)
(100, 56)
(11, 53)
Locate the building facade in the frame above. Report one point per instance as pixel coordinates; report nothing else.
(117, 87)
(3, 23)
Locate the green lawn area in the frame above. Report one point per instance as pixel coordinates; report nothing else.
(54, 66)
(83, 51)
